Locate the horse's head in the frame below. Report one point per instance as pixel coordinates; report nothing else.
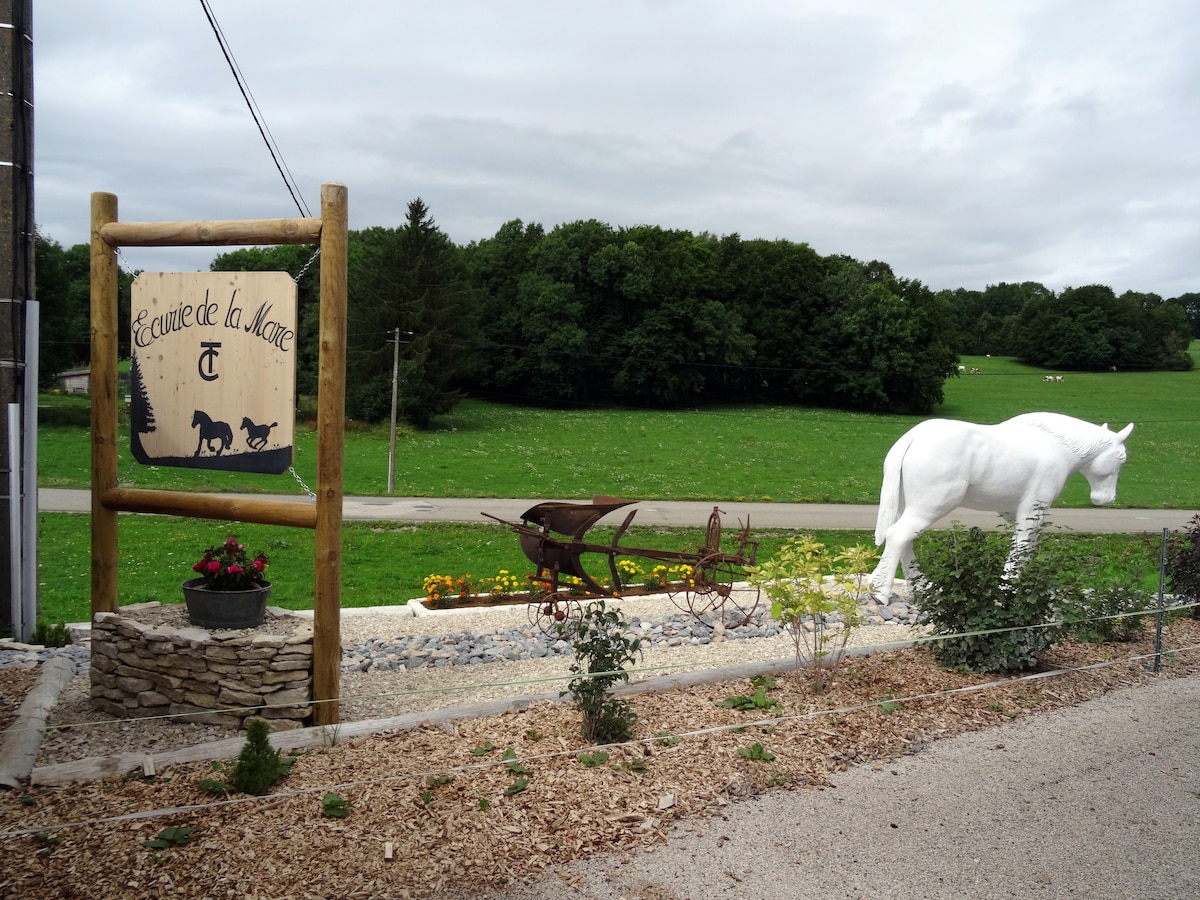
(197, 418)
(246, 424)
(1102, 469)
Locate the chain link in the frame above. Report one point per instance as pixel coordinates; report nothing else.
(130, 466)
(300, 481)
(308, 265)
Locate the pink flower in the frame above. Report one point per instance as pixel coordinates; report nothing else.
(214, 566)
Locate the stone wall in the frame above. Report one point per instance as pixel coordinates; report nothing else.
(219, 677)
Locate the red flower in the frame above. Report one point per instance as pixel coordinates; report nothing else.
(226, 568)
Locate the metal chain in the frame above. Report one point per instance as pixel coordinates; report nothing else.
(127, 478)
(300, 481)
(308, 265)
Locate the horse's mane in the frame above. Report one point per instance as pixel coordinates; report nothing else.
(1079, 437)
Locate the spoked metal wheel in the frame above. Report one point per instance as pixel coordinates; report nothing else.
(553, 612)
(710, 592)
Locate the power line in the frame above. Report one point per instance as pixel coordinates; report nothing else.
(269, 139)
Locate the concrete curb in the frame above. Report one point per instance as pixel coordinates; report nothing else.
(24, 739)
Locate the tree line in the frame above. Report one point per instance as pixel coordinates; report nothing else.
(649, 317)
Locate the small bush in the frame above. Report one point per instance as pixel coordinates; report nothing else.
(602, 651)
(256, 769)
(1108, 613)
(982, 621)
(1183, 565)
(49, 635)
(818, 617)
(66, 416)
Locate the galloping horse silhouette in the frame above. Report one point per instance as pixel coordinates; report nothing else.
(212, 431)
(256, 435)
(1017, 468)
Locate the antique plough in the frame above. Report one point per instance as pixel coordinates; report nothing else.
(552, 537)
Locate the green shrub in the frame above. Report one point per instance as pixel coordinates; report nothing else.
(983, 621)
(50, 635)
(256, 769)
(1108, 613)
(73, 416)
(602, 651)
(819, 617)
(1183, 565)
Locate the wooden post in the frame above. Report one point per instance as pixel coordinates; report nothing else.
(102, 383)
(108, 499)
(331, 429)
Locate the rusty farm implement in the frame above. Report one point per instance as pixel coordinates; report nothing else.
(553, 538)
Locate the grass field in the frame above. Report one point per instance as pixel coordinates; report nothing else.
(751, 453)
(490, 450)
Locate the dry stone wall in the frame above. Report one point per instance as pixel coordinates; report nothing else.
(144, 668)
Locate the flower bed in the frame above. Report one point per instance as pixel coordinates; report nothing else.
(506, 589)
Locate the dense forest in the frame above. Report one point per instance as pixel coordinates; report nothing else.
(648, 317)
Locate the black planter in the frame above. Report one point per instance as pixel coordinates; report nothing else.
(226, 609)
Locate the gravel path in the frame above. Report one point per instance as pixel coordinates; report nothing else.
(1097, 800)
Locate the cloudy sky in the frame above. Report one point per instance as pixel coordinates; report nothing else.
(964, 142)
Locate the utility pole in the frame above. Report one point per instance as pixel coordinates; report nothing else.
(395, 384)
(395, 388)
(18, 325)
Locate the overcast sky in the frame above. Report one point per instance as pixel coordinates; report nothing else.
(964, 142)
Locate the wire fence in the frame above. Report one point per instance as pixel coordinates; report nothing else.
(1150, 660)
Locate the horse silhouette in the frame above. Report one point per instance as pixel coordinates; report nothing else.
(256, 435)
(212, 431)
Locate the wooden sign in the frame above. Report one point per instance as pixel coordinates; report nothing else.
(213, 376)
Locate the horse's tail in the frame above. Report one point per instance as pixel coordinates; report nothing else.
(890, 501)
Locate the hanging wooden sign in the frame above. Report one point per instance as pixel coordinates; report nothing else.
(213, 375)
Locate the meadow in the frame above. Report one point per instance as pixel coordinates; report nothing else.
(492, 450)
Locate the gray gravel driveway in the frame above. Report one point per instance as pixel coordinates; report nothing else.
(1097, 801)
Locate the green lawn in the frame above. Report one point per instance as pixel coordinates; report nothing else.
(745, 453)
(491, 450)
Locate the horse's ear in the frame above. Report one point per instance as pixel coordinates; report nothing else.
(1124, 433)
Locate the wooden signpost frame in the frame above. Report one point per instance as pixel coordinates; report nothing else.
(330, 231)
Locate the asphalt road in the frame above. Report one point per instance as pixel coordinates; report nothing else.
(815, 516)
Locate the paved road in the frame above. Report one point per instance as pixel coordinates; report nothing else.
(817, 516)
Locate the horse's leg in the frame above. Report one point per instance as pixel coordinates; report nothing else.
(908, 563)
(884, 576)
(1027, 523)
(898, 549)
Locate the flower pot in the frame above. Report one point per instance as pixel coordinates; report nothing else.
(225, 609)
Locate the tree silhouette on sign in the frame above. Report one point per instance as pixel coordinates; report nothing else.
(141, 413)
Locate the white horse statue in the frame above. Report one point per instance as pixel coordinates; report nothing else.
(1017, 468)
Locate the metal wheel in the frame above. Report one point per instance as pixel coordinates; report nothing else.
(554, 611)
(710, 592)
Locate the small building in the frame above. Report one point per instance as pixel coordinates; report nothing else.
(75, 381)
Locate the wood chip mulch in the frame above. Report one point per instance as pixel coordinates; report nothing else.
(438, 811)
